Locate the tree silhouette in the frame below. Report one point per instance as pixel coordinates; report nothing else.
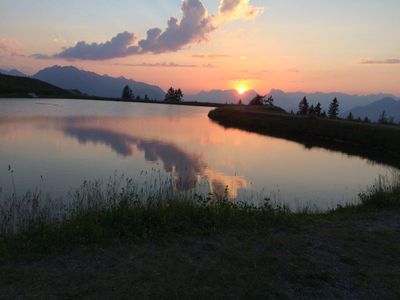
(318, 109)
(311, 110)
(350, 117)
(303, 107)
(240, 102)
(127, 93)
(269, 101)
(382, 118)
(174, 95)
(333, 111)
(178, 95)
(257, 100)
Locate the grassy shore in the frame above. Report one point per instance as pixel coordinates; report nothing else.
(202, 248)
(377, 142)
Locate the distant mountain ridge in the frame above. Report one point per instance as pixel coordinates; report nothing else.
(222, 96)
(90, 83)
(290, 100)
(375, 109)
(13, 72)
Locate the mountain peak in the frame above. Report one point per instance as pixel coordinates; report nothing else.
(72, 78)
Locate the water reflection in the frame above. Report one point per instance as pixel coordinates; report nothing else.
(187, 168)
(79, 140)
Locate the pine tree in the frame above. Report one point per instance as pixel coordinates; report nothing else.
(303, 107)
(269, 101)
(382, 118)
(170, 94)
(333, 111)
(127, 93)
(311, 110)
(350, 117)
(318, 109)
(174, 95)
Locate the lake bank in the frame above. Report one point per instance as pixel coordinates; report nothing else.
(379, 143)
(177, 250)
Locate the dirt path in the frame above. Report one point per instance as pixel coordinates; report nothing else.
(335, 258)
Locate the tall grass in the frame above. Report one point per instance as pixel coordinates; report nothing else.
(102, 212)
(384, 194)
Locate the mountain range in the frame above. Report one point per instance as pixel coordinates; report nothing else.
(222, 96)
(92, 84)
(373, 111)
(13, 72)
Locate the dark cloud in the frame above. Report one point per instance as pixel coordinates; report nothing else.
(391, 61)
(194, 27)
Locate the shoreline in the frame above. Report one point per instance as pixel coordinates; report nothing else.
(375, 142)
(183, 103)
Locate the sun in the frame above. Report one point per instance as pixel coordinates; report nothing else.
(241, 90)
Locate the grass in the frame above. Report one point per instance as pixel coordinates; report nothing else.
(15, 86)
(377, 142)
(111, 243)
(98, 213)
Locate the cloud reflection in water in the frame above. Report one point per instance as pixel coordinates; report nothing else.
(187, 168)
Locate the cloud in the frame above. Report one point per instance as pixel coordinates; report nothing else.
(9, 47)
(194, 27)
(158, 65)
(391, 61)
(230, 10)
(210, 56)
(41, 56)
(119, 46)
(165, 65)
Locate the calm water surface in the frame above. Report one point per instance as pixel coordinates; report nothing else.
(68, 141)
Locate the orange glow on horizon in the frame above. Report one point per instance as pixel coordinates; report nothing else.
(241, 90)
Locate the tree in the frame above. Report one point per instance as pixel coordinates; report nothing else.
(303, 107)
(174, 95)
(127, 93)
(240, 102)
(382, 118)
(311, 110)
(367, 120)
(350, 117)
(178, 95)
(318, 109)
(333, 111)
(257, 100)
(269, 101)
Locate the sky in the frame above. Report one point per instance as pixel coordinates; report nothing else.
(293, 45)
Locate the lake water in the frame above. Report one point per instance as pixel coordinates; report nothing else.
(55, 145)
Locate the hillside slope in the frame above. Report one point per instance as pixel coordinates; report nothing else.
(15, 86)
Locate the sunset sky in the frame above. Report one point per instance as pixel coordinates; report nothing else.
(308, 45)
